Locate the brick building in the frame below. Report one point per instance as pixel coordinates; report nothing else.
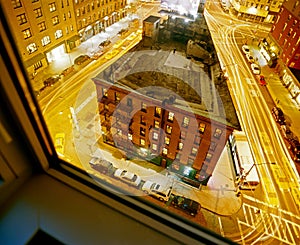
(45, 29)
(148, 121)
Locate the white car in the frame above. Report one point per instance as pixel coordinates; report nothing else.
(246, 49)
(127, 177)
(250, 58)
(255, 69)
(163, 193)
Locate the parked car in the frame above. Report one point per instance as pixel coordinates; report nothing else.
(67, 71)
(127, 177)
(187, 205)
(104, 43)
(262, 80)
(111, 54)
(255, 69)
(59, 143)
(80, 59)
(97, 55)
(286, 131)
(278, 115)
(163, 193)
(101, 165)
(246, 49)
(250, 58)
(50, 81)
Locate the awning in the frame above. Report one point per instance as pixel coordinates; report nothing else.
(34, 60)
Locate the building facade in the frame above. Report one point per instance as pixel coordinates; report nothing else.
(46, 29)
(284, 43)
(257, 10)
(155, 130)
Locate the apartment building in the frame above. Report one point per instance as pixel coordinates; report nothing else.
(149, 126)
(257, 10)
(93, 17)
(47, 29)
(284, 42)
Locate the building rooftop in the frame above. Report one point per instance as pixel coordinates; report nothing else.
(152, 19)
(159, 74)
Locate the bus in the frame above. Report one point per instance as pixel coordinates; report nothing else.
(244, 167)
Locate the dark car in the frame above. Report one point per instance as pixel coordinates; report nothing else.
(262, 80)
(278, 115)
(104, 43)
(101, 165)
(185, 204)
(80, 59)
(67, 71)
(50, 81)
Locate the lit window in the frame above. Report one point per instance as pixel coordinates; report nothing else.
(16, 3)
(119, 132)
(45, 40)
(21, 19)
(156, 124)
(157, 111)
(143, 120)
(171, 116)
(154, 147)
(165, 151)
(185, 122)
(194, 151)
(167, 140)
(155, 135)
(42, 26)
(169, 129)
(129, 136)
(117, 97)
(104, 92)
(52, 7)
(217, 133)
(38, 12)
(144, 107)
(27, 33)
(202, 127)
(58, 34)
(31, 48)
(180, 145)
(208, 157)
(55, 20)
(142, 142)
(142, 131)
(182, 134)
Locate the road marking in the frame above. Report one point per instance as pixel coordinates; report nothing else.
(84, 103)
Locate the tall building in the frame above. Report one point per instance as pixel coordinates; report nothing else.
(284, 42)
(45, 29)
(257, 10)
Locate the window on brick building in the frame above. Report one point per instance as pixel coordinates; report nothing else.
(31, 48)
(156, 124)
(117, 97)
(194, 151)
(167, 140)
(182, 134)
(202, 127)
(143, 120)
(42, 26)
(155, 135)
(212, 146)
(52, 7)
(157, 111)
(208, 157)
(197, 140)
(27, 33)
(186, 121)
(180, 145)
(129, 136)
(171, 116)
(169, 129)
(142, 131)
(104, 92)
(217, 133)
(154, 147)
(142, 142)
(22, 19)
(165, 151)
(144, 107)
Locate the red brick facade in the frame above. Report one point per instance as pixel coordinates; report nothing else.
(159, 131)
